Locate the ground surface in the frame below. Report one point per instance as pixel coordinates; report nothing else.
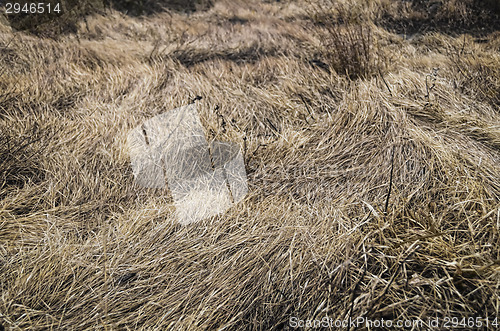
(371, 134)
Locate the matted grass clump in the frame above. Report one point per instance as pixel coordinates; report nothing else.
(374, 176)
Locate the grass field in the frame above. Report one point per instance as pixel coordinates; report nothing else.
(371, 139)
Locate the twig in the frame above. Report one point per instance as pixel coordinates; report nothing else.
(428, 88)
(353, 294)
(255, 151)
(196, 98)
(390, 182)
(383, 79)
(244, 146)
(272, 125)
(307, 106)
(223, 124)
(393, 277)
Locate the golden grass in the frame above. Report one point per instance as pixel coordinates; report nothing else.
(317, 236)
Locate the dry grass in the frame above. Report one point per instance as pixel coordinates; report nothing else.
(477, 17)
(317, 235)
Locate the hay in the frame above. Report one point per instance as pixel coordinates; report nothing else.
(82, 247)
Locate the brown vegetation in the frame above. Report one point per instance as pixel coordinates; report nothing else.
(373, 163)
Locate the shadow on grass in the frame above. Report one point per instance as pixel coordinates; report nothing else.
(60, 17)
(149, 7)
(250, 54)
(474, 17)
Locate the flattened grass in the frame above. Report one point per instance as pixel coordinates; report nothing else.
(82, 247)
